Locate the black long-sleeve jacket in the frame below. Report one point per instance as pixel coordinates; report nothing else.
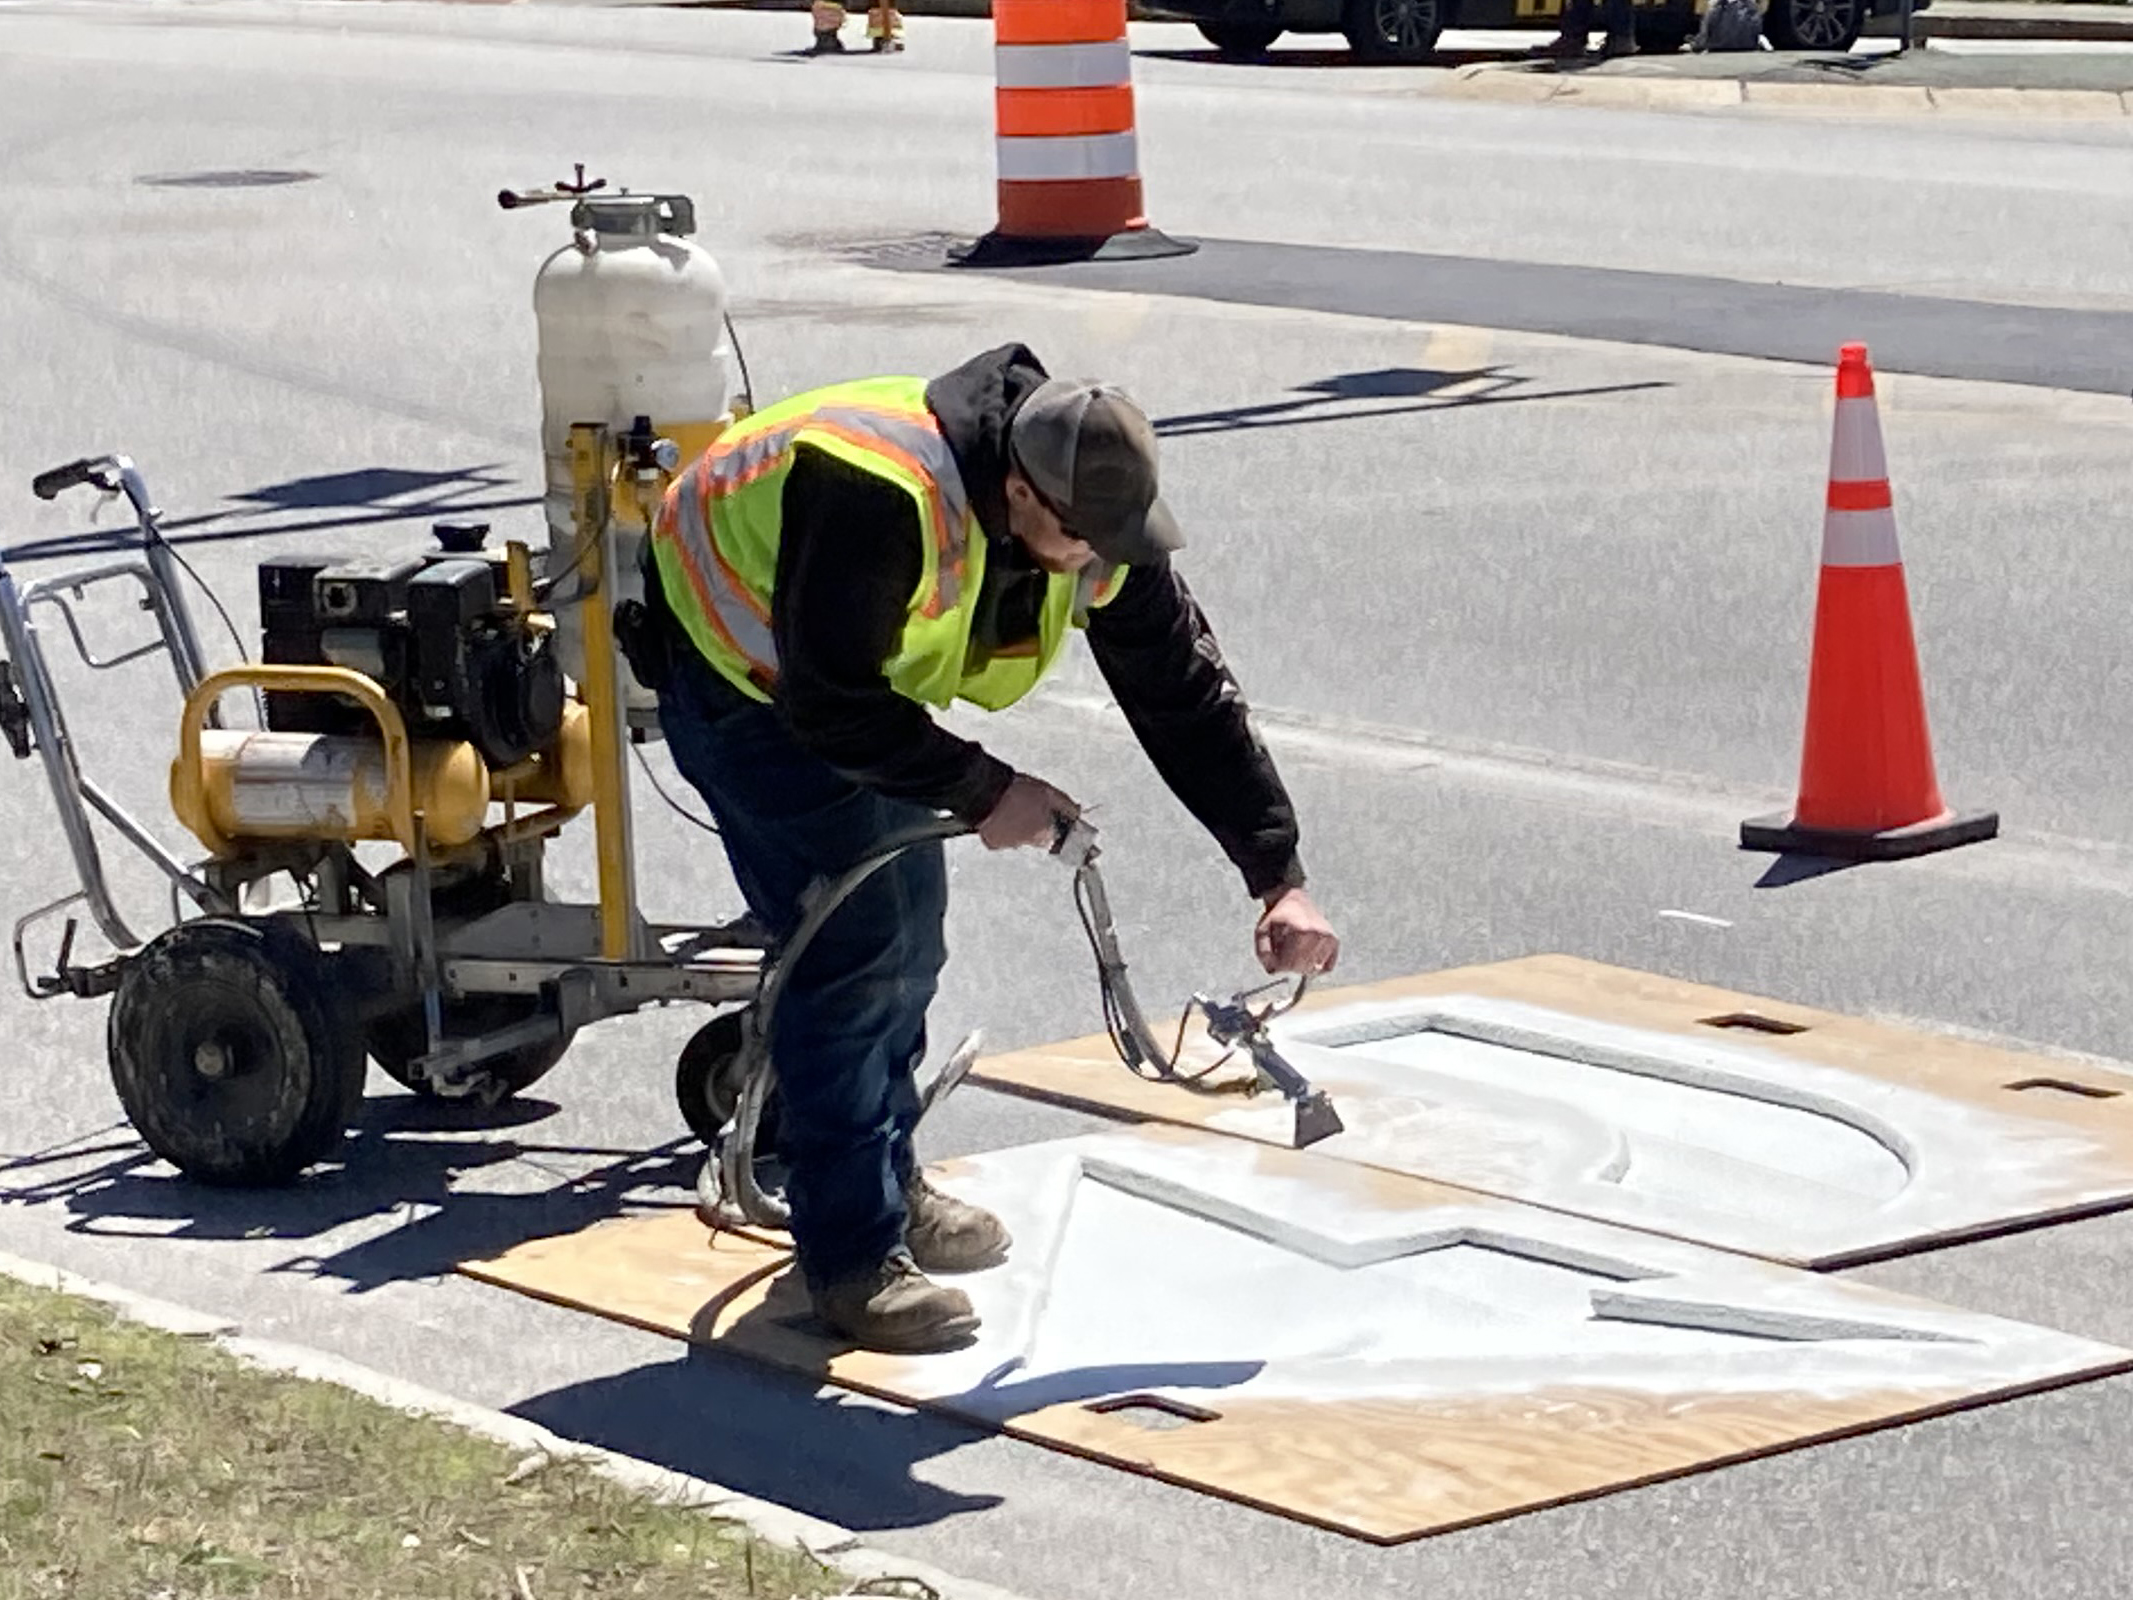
(848, 561)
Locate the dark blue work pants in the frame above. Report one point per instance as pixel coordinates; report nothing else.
(1618, 15)
(850, 1028)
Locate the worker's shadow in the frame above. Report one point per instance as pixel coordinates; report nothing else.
(767, 1431)
(848, 53)
(407, 1159)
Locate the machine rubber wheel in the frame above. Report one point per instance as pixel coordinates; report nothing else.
(229, 1055)
(398, 1037)
(1240, 40)
(1825, 25)
(1662, 36)
(1393, 31)
(706, 1083)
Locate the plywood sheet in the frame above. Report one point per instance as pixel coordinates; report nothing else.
(1368, 1352)
(1797, 1135)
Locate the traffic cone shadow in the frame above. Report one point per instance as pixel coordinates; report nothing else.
(1868, 790)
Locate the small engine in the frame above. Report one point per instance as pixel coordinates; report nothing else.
(438, 634)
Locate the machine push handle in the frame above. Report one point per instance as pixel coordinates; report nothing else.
(89, 469)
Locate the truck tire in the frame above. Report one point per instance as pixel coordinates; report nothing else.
(1240, 41)
(1393, 31)
(1822, 25)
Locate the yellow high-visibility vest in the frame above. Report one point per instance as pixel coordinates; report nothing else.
(715, 545)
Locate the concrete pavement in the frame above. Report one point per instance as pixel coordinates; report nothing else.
(1541, 645)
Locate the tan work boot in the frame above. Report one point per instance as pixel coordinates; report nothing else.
(945, 1234)
(893, 1308)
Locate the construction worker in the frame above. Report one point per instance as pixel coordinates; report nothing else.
(830, 568)
(828, 18)
(1575, 39)
(885, 27)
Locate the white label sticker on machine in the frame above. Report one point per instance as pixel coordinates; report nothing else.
(308, 782)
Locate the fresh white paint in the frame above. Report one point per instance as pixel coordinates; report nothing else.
(1212, 1271)
(1720, 1141)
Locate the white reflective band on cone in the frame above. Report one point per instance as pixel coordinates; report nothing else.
(1062, 66)
(1855, 454)
(1104, 155)
(1859, 538)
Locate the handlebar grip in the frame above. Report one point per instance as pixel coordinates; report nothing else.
(47, 485)
(1073, 840)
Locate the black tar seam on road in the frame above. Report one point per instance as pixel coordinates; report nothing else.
(1979, 341)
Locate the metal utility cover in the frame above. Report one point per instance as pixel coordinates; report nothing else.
(1795, 1135)
(1375, 1354)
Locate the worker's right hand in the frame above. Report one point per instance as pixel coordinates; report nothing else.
(1027, 815)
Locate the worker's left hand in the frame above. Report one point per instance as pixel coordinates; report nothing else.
(1294, 935)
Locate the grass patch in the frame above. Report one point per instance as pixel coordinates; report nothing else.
(142, 1465)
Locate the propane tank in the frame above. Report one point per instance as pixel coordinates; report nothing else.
(632, 323)
(254, 785)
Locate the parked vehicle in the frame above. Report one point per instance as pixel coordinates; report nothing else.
(1407, 30)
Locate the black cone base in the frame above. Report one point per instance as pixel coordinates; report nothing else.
(1780, 833)
(1136, 244)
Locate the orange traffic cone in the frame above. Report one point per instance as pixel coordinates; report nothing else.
(1065, 146)
(1867, 785)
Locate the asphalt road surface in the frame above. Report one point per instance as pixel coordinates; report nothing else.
(1522, 596)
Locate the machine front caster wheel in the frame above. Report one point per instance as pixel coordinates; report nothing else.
(735, 1111)
(707, 1084)
(229, 1056)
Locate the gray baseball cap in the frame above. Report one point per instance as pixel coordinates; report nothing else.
(1090, 452)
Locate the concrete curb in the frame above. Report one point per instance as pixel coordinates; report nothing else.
(837, 1548)
(1506, 84)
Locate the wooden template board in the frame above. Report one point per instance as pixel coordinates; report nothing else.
(1371, 1353)
(1800, 1136)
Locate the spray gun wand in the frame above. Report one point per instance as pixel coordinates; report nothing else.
(1231, 1022)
